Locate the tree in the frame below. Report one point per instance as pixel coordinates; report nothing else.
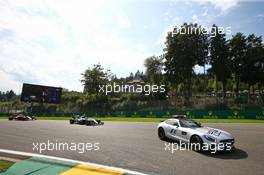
(10, 95)
(154, 67)
(219, 58)
(93, 77)
(138, 74)
(184, 50)
(7, 96)
(254, 62)
(237, 49)
(154, 75)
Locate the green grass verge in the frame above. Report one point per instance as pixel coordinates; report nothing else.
(127, 119)
(4, 165)
(142, 119)
(229, 121)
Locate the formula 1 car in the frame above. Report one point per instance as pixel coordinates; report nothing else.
(83, 120)
(180, 128)
(21, 117)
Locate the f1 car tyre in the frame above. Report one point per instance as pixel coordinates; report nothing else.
(88, 123)
(100, 122)
(71, 121)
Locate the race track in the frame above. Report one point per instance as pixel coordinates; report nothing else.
(135, 146)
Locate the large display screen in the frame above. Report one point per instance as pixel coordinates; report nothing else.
(41, 94)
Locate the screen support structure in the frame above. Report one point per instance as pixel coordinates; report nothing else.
(31, 105)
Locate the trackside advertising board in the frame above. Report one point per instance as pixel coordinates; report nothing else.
(198, 114)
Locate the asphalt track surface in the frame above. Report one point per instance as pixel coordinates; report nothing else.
(135, 146)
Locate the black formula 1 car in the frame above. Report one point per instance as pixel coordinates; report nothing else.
(21, 117)
(83, 120)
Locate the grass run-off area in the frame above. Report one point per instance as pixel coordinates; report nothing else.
(142, 119)
(4, 165)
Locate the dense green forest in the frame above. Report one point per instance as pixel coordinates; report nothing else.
(234, 78)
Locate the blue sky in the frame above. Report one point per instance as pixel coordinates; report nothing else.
(53, 42)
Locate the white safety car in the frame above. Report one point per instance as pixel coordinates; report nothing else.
(180, 128)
